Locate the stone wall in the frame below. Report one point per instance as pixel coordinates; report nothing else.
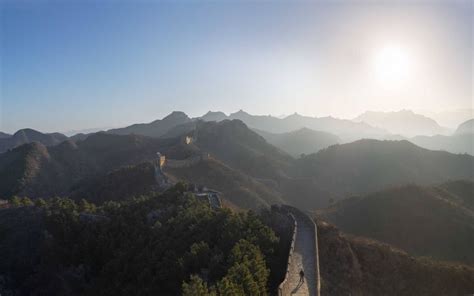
(284, 288)
(317, 273)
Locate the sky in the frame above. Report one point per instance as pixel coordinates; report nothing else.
(70, 65)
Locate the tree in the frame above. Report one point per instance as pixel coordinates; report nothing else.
(196, 287)
(248, 271)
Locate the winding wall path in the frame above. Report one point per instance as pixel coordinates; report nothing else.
(304, 257)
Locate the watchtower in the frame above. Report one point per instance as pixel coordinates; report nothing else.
(160, 161)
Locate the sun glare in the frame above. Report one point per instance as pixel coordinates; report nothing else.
(393, 66)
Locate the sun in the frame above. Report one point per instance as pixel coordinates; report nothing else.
(393, 65)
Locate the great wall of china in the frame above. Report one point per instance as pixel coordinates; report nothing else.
(303, 255)
(211, 196)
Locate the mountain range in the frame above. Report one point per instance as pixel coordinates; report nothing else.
(461, 141)
(465, 128)
(393, 191)
(310, 182)
(294, 134)
(302, 141)
(24, 136)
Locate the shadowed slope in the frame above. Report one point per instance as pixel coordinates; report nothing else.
(427, 221)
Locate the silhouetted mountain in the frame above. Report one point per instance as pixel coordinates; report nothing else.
(180, 130)
(156, 128)
(79, 137)
(309, 182)
(433, 221)
(38, 171)
(302, 141)
(452, 118)
(404, 122)
(352, 265)
(24, 136)
(466, 127)
(86, 131)
(457, 143)
(346, 129)
(241, 148)
(368, 165)
(462, 141)
(214, 116)
(237, 187)
(4, 135)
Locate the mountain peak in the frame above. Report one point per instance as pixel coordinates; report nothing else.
(26, 132)
(295, 115)
(214, 116)
(176, 115)
(240, 112)
(466, 127)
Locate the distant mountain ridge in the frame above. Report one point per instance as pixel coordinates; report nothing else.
(156, 128)
(178, 121)
(403, 122)
(347, 130)
(461, 141)
(4, 135)
(302, 141)
(25, 136)
(369, 165)
(466, 127)
(308, 182)
(35, 170)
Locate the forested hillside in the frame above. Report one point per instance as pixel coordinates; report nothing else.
(157, 244)
(369, 165)
(436, 221)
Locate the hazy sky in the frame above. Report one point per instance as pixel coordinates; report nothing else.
(81, 64)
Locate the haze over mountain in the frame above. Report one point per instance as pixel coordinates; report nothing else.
(435, 221)
(345, 129)
(466, 127)
(24, 136)
(178, 122)
(461, 141)
(309, 182)
(451, 118)
(302, 141)
(251, 173)
(403, 122)
(377, 138)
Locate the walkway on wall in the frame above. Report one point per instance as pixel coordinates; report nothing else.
(304, 258)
